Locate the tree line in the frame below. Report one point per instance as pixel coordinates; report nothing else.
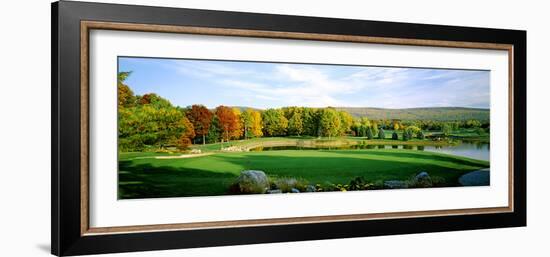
(152, 121)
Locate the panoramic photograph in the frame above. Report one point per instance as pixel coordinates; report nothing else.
(189, 128)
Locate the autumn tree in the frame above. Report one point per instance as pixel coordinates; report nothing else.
(238, 130)
(251, 123)
(126, 96)
(201, 118)
(227, 120)
(184, 140)
(396, 125)
(274, 122)
(154, 100)
(346, 122)
(414, 129)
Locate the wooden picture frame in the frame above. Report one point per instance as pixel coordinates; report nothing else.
(71, 25)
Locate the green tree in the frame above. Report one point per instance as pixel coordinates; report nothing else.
(329, 123)
(362, 131)
(473, 124)
(381, 134)
(214, 131)
(153, 125)
(310, 118)
(295, 123)
(374, 127)
(123, 75)
(406, 135)
(394, 136)
(274, 122)
(369, 133)
(446, 129)
(413, 129)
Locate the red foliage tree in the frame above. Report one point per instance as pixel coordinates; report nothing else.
(201, 118)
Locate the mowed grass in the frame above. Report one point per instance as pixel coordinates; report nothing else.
(143, 176)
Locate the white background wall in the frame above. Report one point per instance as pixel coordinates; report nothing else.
(25, 127)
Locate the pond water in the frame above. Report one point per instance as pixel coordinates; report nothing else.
(475, 150)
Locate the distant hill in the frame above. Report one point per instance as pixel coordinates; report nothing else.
(425, 113)
(428, 113)
(244, 108)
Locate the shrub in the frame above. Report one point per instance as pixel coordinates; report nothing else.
(405, 135)
(359, 183)
(362, 131)
(438, 181)
(326, 187)
(286, 184)
(394, 136)
(381, 134)
(420, 135)
(369, 133)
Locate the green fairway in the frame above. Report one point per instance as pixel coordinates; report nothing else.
(143, 176)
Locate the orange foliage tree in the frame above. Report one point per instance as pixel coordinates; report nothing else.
(238, 131)
(185, 138)
(228, 121)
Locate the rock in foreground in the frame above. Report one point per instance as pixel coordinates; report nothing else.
(476, 178)
(252, 182)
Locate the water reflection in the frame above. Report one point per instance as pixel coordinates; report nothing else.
(471, 149)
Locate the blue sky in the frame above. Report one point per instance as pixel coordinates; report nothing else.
(272, 85)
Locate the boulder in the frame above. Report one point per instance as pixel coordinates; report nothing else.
(274, 191)
(310, 188)
(422, 176)
(476, 178)
(252, 182)
(422, 179)
(294, 190)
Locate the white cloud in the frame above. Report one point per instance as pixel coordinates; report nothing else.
(275, 85)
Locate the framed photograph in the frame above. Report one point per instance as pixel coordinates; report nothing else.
(177, 128)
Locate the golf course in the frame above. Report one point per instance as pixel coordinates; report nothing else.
(196, 128)
(146, 175)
